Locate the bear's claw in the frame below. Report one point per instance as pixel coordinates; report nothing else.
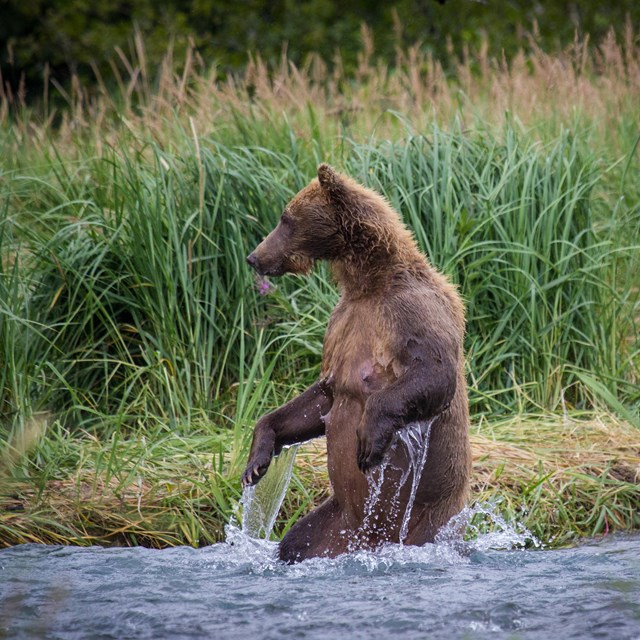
(371, 451)
(253, 473)
(367, 455)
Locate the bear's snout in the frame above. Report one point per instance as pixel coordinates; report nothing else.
(264, 264)
(252, 260)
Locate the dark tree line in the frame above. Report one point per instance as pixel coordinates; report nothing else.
(71, 36)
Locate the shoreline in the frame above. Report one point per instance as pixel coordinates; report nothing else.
(565, 478)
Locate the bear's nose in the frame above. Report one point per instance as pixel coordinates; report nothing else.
(252, 260)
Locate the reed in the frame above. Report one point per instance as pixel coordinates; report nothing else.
(144, 306)
(591, 86)
(512, 223)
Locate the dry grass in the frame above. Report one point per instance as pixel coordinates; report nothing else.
(587, 84)
(90, 509)
(561, 477)
(561, 445)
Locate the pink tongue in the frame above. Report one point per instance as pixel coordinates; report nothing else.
(264, 286)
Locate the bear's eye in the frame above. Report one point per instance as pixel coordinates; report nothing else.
(285, 219)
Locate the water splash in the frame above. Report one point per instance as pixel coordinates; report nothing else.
(481, 527)
(415, 439)
(375, 480)
(261, 503)
(241, 550)
(477, 529)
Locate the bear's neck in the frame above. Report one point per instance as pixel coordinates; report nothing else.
(367, 274)
(376, 247)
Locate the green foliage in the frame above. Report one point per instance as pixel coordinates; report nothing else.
(128, 314)
(145, 307)
(141, 282)
(512, 224)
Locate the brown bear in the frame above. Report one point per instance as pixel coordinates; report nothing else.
(392, 359)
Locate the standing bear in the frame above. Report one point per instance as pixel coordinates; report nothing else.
(392, 376)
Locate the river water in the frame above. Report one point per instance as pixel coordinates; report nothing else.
(237, 589)
(491, 585)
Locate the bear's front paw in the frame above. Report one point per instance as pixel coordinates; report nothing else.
(256, 468)
(372, 447)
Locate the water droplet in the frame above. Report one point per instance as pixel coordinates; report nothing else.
(415, 438)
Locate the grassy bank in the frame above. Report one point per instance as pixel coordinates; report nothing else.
(561, 477)
(137, 352)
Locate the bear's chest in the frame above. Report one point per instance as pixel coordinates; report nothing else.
(358, 354)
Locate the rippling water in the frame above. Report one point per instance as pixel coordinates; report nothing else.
(238, 590)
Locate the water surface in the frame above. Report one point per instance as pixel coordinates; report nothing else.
(238, 590)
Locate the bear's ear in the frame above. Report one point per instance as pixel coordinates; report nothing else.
(329, 179)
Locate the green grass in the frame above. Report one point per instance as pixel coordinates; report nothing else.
(130, 321)
(144, 305)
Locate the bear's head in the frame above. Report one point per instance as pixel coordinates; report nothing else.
(308, 230)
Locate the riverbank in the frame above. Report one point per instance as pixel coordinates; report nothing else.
(562, 477)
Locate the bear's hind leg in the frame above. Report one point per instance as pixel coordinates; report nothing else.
(321, 533)
(430, 519)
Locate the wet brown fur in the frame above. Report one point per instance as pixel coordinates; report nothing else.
(392, 356)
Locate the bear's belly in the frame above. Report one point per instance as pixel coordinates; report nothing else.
(353, 382)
